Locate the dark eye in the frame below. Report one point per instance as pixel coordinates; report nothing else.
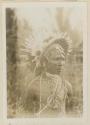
(62, 58)
(57, 58)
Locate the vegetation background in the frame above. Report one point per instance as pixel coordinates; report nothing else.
(20, 66)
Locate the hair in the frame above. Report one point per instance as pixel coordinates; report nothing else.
(42, 67)
(63, 40)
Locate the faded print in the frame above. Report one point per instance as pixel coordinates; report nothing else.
(44, 61)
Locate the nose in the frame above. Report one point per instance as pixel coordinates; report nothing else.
(61, 63)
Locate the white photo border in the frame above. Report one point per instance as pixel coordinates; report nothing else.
(44, 121)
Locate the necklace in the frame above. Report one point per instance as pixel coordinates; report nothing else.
(52, 97)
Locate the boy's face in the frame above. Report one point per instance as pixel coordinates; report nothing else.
(55, 59)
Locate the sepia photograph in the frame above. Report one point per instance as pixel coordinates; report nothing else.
(44, 57)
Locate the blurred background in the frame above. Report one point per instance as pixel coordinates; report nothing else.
(35, 24)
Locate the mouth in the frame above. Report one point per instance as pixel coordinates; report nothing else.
(59, 69)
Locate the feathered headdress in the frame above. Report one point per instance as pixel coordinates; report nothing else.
(37, 50)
